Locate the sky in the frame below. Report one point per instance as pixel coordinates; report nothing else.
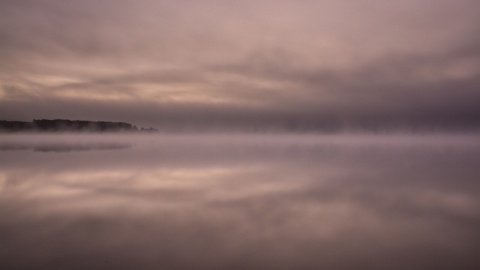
(243, 64)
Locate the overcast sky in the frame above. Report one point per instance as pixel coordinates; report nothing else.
(222, 62)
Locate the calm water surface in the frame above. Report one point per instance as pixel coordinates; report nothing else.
(239, 202)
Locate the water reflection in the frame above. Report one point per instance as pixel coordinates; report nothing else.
(52, 147)
(242, 202)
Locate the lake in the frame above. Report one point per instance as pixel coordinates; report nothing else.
(233, 201)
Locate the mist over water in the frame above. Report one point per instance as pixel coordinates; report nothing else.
(317, 183)
(159, 201)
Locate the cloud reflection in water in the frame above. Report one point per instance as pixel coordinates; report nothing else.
(258, 202)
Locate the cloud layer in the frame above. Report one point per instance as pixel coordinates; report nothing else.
(254, 63)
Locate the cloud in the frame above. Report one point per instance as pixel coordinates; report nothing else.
(381, 60)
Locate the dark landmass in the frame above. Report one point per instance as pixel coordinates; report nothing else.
(62, 125)
(253, 125)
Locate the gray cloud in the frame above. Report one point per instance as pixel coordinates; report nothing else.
(410, 63)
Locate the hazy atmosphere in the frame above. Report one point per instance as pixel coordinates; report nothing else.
(261, 202)
(239, 135)
(243, 64)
